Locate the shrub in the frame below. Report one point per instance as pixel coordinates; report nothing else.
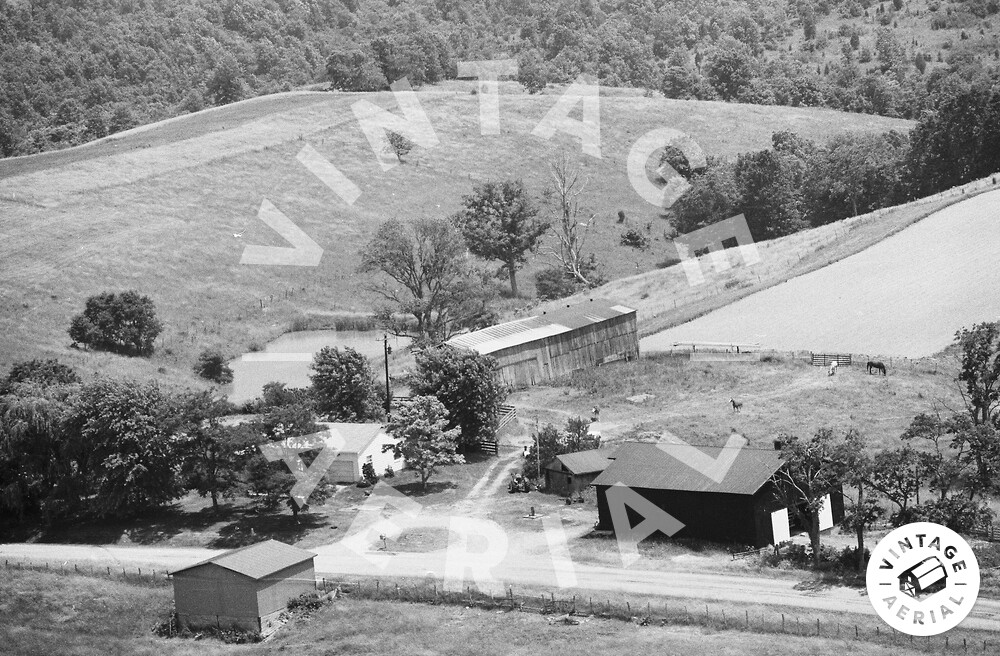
(552, 283)
(41, 372)
(634, 239)
(389, 473)
(368, 473)
(212, 366)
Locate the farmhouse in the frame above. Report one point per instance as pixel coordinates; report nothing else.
(743, 509)
(244, 588)
(361, 443)
(557, 342)
(570, 473)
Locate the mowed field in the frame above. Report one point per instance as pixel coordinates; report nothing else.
(905, 296)
(159, 209)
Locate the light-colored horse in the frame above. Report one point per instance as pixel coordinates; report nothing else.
(833, 368)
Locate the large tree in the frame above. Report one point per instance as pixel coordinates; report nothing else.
(498, 223)
(213, 454)
(469, 386)
(980, 373)
(343, 385)
(39, 454)
(812, 469)
(428, 278)
(425, 440)
(127, 427)
(124, 323)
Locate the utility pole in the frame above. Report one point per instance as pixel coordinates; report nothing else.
(388, 392)
(538, 453)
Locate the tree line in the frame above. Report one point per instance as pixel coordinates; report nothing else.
(798, 183)
(73, 72)
(107, 447)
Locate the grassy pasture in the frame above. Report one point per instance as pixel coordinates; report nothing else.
(53, 615)
(158, 209)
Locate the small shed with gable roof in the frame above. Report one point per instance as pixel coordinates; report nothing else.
(557, 342)
(245, 588)
(570, 473)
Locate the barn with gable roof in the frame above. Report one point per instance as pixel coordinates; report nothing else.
(246, 588)
(557, 342)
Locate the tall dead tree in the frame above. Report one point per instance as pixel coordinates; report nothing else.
(571, 232)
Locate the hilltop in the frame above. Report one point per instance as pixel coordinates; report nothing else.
(168, 209)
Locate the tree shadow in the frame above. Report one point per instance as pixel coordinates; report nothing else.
(253, 527)
(415, 489)
(144, 528)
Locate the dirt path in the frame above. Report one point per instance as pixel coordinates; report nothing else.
(905, 296)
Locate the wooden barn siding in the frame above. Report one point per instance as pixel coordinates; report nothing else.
(275, 591)
(210, 591)
(717, 517)
(550, 357)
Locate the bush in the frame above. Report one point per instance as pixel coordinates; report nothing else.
(212, 366)
(122, 323)
(41, 372)
(634, 239)
(554, 283)
(389, 473)
(368, 473)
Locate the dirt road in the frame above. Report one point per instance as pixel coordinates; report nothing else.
(522, 568)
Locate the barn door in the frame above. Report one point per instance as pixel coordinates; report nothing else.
(779, 526)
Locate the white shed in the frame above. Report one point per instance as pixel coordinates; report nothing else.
(361, 443)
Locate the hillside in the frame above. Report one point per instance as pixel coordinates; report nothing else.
(168, 209)
(905, 296)
(73, 72)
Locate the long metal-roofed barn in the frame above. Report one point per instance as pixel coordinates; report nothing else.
(557, 342)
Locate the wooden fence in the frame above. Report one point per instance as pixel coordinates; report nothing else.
(826, 359)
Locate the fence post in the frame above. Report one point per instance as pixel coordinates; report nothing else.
(748, 620)
(782, 622)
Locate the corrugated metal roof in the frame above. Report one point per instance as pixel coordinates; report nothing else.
(257, 560)
(554, 322)
(585, 462)
(651, 466)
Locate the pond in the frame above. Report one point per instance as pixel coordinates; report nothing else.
(287, 358)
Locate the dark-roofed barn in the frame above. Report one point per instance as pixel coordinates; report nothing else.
(743, 509)
(557, 342)
(570, 473)
(244, 588)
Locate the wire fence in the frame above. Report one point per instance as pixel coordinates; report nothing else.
(573, 609)
(136, 575)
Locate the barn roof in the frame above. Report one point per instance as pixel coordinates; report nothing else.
(583, 462)
(652, 466)
(547, 324)
(259, 560)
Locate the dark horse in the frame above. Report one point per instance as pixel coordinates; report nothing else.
(877, 366)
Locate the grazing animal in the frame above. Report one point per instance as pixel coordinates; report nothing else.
(737, 405)
(876, 366)
(833, 368)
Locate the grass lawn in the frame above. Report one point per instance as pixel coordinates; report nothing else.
(786, 394)
(45, 614)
